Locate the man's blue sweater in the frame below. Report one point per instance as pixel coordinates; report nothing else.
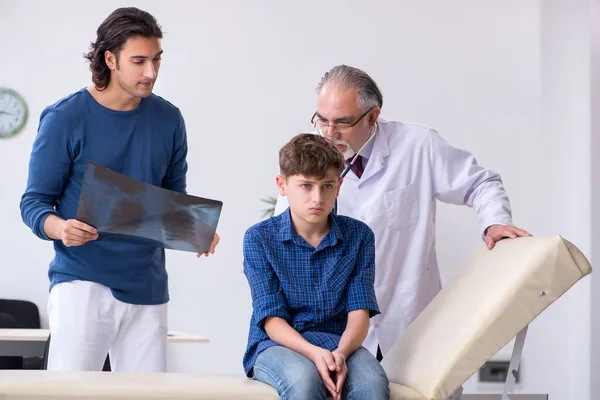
(148, 144)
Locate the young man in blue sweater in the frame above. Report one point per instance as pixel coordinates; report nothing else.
(311, 274)
(107, 296)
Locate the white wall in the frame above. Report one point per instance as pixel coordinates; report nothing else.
(565, 142)
(490, 76)
(595, 187)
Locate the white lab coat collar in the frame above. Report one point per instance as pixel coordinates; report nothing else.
(379, 151)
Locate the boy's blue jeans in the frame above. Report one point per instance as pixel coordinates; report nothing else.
(295, 377)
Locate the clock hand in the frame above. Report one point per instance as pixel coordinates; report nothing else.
(7, 113)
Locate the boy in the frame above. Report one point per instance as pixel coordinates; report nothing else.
(311, 275)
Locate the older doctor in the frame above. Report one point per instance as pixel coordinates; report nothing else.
(400, 171)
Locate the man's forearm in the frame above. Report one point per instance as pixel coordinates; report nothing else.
(53, 226)
(281, 332)
(355, 332)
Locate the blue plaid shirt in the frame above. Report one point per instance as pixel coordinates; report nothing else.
(312, 289)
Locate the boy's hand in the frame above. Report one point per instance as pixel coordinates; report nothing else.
(339, 375)
(325, 362)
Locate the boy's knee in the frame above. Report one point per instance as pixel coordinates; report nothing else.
(293, 376)
(303, 383)
(376, 387)
(367, 379)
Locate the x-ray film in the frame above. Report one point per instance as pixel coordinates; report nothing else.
(124, 209)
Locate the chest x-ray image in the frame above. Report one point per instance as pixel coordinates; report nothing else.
(125, 209)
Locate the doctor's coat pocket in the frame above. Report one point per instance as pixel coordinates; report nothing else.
(401, 207)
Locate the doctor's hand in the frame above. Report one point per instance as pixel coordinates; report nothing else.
(214, 244)
(494, 233)
(325, 361)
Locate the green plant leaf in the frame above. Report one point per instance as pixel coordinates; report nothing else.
(270, 211)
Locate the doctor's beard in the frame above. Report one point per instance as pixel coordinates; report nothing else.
(349, 152)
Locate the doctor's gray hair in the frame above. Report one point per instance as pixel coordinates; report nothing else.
(367, 91)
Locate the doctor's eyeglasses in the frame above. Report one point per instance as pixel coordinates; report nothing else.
(341, 126)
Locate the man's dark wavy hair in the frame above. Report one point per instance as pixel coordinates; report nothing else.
(120, 26)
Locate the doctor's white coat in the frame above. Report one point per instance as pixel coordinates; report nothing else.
(409, 168)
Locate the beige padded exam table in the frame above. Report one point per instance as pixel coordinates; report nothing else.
(488, 302)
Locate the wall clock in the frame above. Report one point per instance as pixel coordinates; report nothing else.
(13, 112)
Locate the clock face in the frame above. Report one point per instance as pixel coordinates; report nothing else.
(13, 112)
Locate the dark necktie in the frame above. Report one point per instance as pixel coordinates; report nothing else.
(357, 167)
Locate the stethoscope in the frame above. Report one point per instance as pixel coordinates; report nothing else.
(351, 163)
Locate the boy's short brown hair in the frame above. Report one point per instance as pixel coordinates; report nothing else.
(310, 155)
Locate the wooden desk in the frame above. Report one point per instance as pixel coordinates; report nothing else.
(31, 342)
